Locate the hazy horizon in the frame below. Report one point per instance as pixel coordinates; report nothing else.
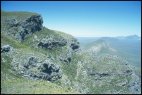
(110, 36)
(83, 18)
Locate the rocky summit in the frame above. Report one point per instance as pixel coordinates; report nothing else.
(35, 59)
(19, 29)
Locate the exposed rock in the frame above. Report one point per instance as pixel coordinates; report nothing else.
(67, 57)
(122, 83)
(128, 72)
(21, 29)
(99, 75)
(5, 48)
(50, 72)
(74, 46)
(31, 63)
(12, 22)
(32, 60)
(52, 43)
(29, 26)
(35, 69)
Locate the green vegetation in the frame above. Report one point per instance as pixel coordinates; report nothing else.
(13, 83)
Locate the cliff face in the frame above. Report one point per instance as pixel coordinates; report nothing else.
(21, 29)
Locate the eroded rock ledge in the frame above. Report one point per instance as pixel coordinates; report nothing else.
(33, 68)
(21, 29)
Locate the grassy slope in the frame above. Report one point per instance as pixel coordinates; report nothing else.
(107, 84)
(68, 69)
(12, 83)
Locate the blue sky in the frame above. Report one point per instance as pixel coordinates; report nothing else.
(85, 18)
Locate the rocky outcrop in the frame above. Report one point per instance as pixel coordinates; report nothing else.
(31, 63)
(49, 72)
(98, 75)
(21, 29)
(74, 45)
(5, 48)
(35, 69)
(52, 43)
(67, 59)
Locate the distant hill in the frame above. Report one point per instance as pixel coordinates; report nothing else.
(133, 37)
(136, 37)
(128, 47)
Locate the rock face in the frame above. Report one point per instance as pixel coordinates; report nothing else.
(34, 69)
(74, 46)
(5, 48)
(32, 24)
(52, 43)
(21, 29)
(49, 72)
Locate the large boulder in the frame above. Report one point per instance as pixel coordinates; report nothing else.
(29, 26)
(74, 45)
